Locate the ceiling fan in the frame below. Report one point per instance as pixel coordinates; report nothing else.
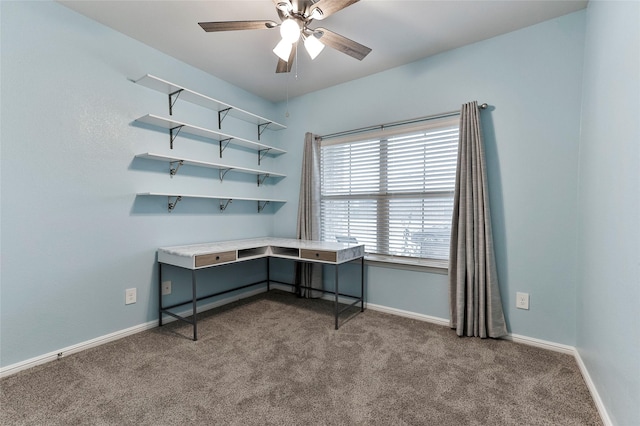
(296, 15)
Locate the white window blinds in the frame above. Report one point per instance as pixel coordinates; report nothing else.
(392, 190)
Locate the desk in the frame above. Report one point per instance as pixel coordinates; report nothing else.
(208, 255)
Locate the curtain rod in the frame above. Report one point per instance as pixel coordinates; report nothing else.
(395, 123)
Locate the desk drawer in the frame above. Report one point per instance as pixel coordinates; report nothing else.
(215, 258)
(327, 256)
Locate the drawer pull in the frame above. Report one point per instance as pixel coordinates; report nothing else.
(217, 257)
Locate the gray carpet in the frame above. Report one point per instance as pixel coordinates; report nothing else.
(276, 359)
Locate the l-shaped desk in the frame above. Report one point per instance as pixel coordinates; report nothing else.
(208, 255)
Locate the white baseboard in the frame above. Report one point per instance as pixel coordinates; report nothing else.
(55, 355)
(284, 287)
(408, 314)
(52, 356)
(602, 409)
(570, 350)
(217, 303)
(374, 307)
(557, 347)
(544, 344)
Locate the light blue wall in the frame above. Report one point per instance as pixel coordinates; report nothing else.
(532, 78)
(74, 235)
(608, 318)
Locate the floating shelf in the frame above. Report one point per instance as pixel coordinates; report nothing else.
(262, 202)
(175, 92)
(224, 139)
(222, 168)
(174, 127)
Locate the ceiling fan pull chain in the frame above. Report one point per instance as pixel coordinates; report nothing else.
(286, 114)
(297, 61)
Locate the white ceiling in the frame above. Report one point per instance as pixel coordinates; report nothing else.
(399, 32)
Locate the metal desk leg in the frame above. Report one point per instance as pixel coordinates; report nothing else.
(362, 284)
(195, 303)
(268, 273)
(159, 294)
(337, 291)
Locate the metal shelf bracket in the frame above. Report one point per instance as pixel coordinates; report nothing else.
(172, 136)
(174, 170)
(223, 206)
(262, 153)
(224, 142)
(173, 205)
(172, 101)
(261, 128)
(261, 181)
(261, 207)
(222, 173)
(221, 116)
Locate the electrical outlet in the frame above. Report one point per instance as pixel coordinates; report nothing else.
(166, 287)
(522, 300)
(129, 296)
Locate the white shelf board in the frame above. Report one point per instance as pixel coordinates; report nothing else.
(188, 95)
(212, 197)
(168, 123)
(186, 161)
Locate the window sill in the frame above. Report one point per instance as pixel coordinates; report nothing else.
(408, 263)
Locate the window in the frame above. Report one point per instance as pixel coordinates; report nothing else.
(392, 190)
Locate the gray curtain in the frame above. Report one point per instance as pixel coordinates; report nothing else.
(309, 274)
(475, 305)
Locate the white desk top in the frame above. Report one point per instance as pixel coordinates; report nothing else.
(185, 256)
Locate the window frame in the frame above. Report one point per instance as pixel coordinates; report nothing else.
(382, 215)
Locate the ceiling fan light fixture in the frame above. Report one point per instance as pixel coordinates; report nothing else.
(283, 50)
(290, 30)
(313, 46)
(284, 7)
(316, 14)
(295, 16)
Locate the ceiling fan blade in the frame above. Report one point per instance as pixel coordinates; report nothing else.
(282, 66)
(237, 25)
(343, 44)
(329, 7)
(286, 66)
